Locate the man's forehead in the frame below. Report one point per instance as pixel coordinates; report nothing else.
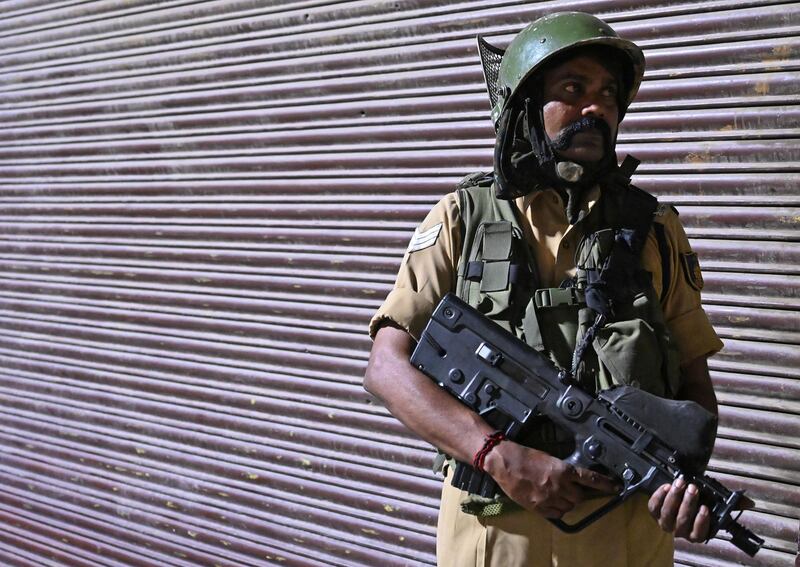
(584, 66)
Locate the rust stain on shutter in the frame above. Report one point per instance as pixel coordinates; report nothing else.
(203, 203)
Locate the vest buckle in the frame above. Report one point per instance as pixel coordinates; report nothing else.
(554, 296)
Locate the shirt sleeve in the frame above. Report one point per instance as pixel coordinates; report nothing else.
(427, 273)
(683, 312)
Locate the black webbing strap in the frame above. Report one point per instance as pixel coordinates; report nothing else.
(475, 271)
(638, 207)
(634, 207)
(628, 166)
(663, 251)
(520, 274)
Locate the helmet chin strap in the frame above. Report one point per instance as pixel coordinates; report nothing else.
(517, 168)
(526, 160)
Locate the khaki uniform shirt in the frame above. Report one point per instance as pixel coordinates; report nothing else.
(626, 537)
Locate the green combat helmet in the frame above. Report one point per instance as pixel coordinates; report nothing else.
(524, 157)
(506, 70)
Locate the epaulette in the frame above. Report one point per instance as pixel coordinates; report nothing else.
(477, 179)
(663, 208)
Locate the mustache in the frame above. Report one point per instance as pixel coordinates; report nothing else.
(564, 138)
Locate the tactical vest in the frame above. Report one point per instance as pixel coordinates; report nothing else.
(605, 325)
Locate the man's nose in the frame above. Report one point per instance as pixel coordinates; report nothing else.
(593, 108)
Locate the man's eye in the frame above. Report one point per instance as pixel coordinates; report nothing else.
(610, 92)
(571, 88)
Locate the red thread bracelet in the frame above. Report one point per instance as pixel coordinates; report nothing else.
(492, 441)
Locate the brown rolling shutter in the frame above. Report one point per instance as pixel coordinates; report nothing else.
(202, 204)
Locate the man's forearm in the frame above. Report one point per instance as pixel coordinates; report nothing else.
(417, 401)
(696, 384)
(533, 479)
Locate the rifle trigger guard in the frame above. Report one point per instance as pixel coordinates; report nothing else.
(590, 518)
(603, 510)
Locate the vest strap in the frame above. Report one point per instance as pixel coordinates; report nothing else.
(628, 166)
(530, 326)
(663, 251)
(520, 274)
(474, 271)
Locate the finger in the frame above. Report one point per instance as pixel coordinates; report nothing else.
(551, 513)
(657, 500)
(702, 523)
(555, 508)
(568, 488)
(571, 493)
(562, 503)
(669, 510)
(684, 522)
(596, 481)
(570, 472)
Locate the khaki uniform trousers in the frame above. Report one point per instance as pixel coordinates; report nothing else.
(626, 537)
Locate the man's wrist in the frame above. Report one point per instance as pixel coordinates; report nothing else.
(495, 463)
(491, 441)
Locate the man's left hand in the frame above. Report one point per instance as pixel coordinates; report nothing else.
(676, 509)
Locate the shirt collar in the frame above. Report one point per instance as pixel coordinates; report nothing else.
(526, 201)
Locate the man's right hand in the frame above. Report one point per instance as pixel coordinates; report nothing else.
(542, 483)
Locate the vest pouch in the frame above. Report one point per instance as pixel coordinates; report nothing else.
(629, 353)
(487, 283)
(648, 307)
(593, 250)
(557, 316)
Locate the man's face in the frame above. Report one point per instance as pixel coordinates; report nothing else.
(578, 88)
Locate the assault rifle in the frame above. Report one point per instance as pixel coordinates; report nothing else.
(641, 439)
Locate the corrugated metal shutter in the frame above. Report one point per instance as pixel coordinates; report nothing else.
(204, 202)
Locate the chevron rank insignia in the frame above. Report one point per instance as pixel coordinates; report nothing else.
(424, 239)
(691, 269)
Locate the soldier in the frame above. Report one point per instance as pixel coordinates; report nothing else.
(557, 246)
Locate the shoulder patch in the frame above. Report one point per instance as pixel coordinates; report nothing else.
(661, 210)
(691, 269)
(424, 239)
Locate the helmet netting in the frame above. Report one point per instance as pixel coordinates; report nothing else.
(491, 57)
